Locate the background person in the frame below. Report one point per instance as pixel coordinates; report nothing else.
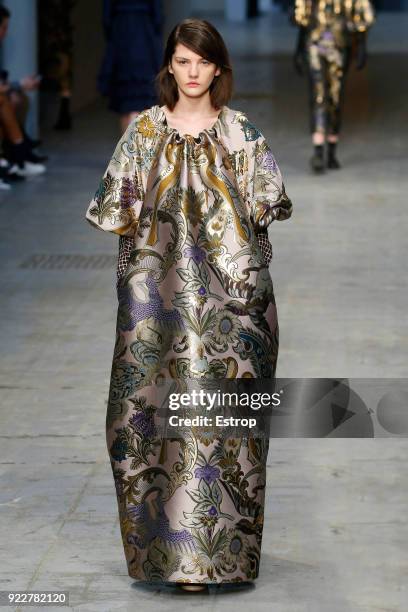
(17, 146)
(133, 32)
(324, 45)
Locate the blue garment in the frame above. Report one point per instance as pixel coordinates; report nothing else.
(133, 55)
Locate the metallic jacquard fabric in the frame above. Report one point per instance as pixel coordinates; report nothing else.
(195, 301)
(329, 25)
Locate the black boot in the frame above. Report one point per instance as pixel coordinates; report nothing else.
(21, 159)
(6, 173)
(332, 161)
(28, 145)
(21, 152)
(64, 121)
(317, 161)
(36, 158)
(31, 142)
(15, 153)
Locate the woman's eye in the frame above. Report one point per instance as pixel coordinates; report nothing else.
(185, 62)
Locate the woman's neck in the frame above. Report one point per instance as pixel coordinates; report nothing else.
(190, 119)
(193, 109)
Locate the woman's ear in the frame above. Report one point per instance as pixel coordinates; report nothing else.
(170, 69)
(217, 72)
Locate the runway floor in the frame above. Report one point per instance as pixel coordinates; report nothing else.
(335, 533)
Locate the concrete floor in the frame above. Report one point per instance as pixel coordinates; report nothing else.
(335, 535)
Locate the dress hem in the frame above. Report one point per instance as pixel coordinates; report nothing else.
(186, 581)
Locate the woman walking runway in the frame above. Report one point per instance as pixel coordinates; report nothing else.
(190, 189)
(326, 28)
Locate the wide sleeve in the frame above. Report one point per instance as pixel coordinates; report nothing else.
(117, 203)
(267, 197)
(362, 16)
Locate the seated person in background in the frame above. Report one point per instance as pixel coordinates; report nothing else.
(18, 157)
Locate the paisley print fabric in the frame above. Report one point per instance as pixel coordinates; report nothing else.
(195, 301)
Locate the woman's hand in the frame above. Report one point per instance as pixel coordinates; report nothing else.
(29, 83)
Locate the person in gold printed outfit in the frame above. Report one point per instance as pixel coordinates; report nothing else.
(326, 31)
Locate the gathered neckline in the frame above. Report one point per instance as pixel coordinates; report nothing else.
(211, 130)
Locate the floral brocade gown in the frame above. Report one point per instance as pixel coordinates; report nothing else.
(195, 301)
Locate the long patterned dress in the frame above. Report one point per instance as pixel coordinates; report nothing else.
(195, 301)
(329, 25)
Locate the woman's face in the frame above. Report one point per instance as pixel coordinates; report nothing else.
(193, 73)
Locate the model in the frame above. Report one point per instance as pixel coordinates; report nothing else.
(190, 186)
(134, 49)
(324, 44)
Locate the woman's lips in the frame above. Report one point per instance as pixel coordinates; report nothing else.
(192, 84)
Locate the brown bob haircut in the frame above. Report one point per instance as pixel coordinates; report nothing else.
(202, 38)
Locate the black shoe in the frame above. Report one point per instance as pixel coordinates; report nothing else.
(15, 153)
(332, 161)
(32, 143)
(13, 177)
(317, 160)
(7, 175)
(64, 121)
(30, 155)
(35, 157)
(22, 159)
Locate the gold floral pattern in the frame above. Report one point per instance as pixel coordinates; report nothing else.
(194, 301)
(329, 25)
